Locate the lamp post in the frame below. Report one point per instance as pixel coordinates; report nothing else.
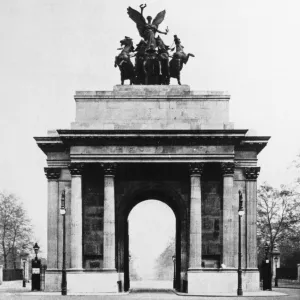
(64, 273)
(24, 273)
(36, 250)
(241, 212)
(174, 271)
(276, 280)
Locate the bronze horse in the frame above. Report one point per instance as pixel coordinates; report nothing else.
(123, 60)
(163, 59)
(139, 62)
(179, 58)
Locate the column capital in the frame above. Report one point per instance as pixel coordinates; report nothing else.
(52, 173)
(196, 168)
(109, 168)
(251, 173)
(76, 168)
(227, 168)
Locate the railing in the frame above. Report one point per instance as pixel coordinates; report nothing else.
(12, 274)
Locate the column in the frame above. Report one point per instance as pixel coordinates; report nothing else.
(109, 236)
(195, 251)
(52, 175)
(251, 175)
(230, 212)
(76, 216)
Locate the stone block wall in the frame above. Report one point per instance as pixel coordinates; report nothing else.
(154, 107)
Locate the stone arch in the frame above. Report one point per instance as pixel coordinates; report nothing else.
(137, 193)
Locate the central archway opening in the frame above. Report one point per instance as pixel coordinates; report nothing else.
(151, 245)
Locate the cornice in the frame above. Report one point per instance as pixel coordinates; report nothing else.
(68, 138)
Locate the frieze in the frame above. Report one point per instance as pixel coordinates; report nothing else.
(76, 169)
(228, 168)
(52, 173)
(252, 173)
(196, 168)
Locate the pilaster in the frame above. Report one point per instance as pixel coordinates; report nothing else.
(52, 175)
(229, 220)
(76, 216)
(251, 175)
(109, 235)
(195, 249)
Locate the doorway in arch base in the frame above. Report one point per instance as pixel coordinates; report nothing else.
(151, 235)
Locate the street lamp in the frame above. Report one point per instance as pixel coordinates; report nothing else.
(36, 250)
(64, 273)
(276, 280)
(24, 273)
(174, 271)
(241, 212)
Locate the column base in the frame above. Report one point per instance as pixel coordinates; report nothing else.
(217, 281)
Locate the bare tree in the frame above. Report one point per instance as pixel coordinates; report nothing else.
(278, 214)
(15, 228)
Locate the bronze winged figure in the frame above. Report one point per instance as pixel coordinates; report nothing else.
(147, 30)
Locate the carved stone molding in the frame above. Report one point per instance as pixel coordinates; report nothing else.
(76, 169)
(227, 168)
(252, 173)
(109, 169)
(196, 168)
(52, 173)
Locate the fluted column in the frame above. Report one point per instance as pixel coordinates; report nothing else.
(52, 175)
(195, 250)
(76, 216)
(251, 175)
(109, 235)
(229, 220)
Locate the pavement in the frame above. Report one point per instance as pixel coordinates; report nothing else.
(148, 290)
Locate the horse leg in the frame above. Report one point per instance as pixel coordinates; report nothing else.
(187, 57)
(178, 79)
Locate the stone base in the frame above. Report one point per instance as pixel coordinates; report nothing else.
(217, 281)
(53, 281)
(85, 282)
(93, 282)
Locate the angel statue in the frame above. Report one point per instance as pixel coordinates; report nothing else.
(147, 30)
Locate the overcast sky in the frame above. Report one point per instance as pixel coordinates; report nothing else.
(50, 49)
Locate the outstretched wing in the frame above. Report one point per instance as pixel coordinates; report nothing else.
(159, 18)
(138, 18)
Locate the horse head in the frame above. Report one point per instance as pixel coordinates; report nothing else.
(127, 43)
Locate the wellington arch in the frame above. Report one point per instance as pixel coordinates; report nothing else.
(152, 142)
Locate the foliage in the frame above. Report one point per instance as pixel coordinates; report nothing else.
(15, 229)
(278, 217)
(164, 263)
